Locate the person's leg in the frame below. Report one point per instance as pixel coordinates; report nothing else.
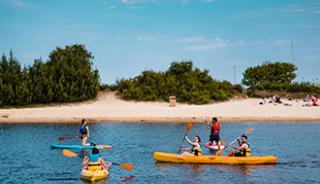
(84, 140)
(231, 153)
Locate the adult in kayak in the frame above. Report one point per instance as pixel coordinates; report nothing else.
(214, 132)
(196, 147)
(94, 161)
(84, 132)
(242, 150)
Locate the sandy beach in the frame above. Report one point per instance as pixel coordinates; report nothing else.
(109, 108)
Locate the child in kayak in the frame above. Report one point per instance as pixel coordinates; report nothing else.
(84, 131)
(196, 147)
(242, 150)
(214, 132)
(94, 161)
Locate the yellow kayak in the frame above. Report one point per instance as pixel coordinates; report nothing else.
(210, 159)
(94, 175)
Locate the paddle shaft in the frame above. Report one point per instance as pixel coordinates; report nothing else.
(184, 138)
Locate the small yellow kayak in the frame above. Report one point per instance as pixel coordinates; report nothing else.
(94, 174)
(211, 159)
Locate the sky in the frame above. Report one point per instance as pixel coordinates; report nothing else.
(127, 37)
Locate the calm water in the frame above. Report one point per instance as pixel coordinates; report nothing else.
(26, 158)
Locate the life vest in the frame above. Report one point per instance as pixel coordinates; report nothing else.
(94, 163)
(215, 129)
(83, 130)
(196, 151)
(246, 152)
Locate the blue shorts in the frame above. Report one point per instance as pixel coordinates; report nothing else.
(214, 137)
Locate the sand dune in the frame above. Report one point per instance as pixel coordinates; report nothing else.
(108, 108)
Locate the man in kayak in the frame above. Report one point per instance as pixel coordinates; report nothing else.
(84, 131)
(242, 150)
(196, 147)
(94, 161)
(214, 132)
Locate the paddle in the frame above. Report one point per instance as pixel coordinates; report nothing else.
(245, 133)
(63, 138)
(188, 128)
(127, 166)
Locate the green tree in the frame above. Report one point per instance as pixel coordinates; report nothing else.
(73, 75)
(277, 75)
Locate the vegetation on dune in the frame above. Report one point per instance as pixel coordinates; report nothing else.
(67, 76)
(188, 84)
(276, 77)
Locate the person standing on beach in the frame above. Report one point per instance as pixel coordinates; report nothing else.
(214, 131)
(84, 132)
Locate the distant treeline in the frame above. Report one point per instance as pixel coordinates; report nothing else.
(188, 84)
(67, 76)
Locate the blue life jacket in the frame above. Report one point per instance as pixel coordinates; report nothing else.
(83, 130)
(94, 157)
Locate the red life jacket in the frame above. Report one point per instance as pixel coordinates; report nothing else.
(215, 129)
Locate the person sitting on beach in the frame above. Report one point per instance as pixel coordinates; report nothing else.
(196, 147)
(214, 132)
(314, 101)
(94, 161)
(84, 131)
(242, 150)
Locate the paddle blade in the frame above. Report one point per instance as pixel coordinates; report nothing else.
(69, 153)
(248, 131)
(188, 126)
(129, 167)
(107, 147)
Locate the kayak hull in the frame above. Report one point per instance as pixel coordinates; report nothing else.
(94, 175)
(61, 146)
(210, 159)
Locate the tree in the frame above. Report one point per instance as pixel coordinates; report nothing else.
(73, 75)
(269, 75)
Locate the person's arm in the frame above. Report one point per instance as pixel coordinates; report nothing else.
(85, 160)
(105, 164)
(190, 142)
(88, 132)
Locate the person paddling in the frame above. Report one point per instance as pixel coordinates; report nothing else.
(84, 132)
(94, 161)
(196, 147)
(214, 132)
(243, 150)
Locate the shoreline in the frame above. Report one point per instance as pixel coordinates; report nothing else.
(107, 107)
(159, 120)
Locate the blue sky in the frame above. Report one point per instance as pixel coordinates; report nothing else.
(129, 36)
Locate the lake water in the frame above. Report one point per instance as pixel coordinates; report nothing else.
(25, 155)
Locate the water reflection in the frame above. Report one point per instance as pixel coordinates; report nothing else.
(197, 169)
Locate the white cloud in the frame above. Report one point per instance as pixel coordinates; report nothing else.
(201, 43)
(138, 1)
(19, 3)
(208, 1)
(311, 8)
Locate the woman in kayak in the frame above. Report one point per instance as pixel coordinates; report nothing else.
(196, 147)
(94, 161)
(84, 131)
(242, 150)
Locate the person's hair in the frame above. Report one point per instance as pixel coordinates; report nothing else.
(198, 138)
(214, 119)
(82, 121)
(245, 136)
(95, 151)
